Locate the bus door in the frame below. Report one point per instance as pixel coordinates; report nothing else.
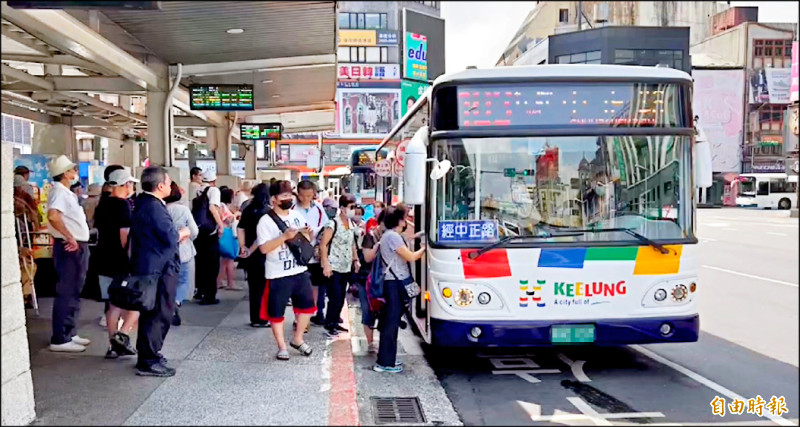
(762, 194)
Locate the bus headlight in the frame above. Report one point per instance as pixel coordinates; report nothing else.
(679, 293)
(484, 298)
(464, 297)
(660, 295)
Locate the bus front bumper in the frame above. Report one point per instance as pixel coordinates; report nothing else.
(607, 332)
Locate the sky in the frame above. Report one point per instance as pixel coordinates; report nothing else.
(477, 32)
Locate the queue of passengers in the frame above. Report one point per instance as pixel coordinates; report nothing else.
(156, 233)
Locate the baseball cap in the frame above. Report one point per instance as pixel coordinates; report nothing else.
(21, 170)
(120, 177)
(209, 176)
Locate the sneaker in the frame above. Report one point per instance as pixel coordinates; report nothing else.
(197, 296)
(111, 353)
(331, 333)
(176, 318)
(156, 370)
(82, 341)
(372, 348)
(121, 343)
(403, 324)
(103, 322)
(67, 347)
(398, 363)
(319, 321)
(209, 302)
(289, 303)
(260, 325)
(341, 328)
(387, 369)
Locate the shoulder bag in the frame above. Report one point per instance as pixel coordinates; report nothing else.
(299, 246)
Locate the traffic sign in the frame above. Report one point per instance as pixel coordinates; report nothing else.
(382, 167)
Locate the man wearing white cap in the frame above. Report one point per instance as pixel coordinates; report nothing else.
(207, 215)
(67, 224)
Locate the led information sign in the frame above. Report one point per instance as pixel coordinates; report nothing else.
(221, 97)
(255, 132)
(551, 105)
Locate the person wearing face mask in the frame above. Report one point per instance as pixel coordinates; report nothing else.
(317, 218)
(339, 258)
(369, 250)
(373, 222)
(67, 223)
(113, 222)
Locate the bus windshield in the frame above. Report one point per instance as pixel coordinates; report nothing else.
(747, 186)
(538, 185)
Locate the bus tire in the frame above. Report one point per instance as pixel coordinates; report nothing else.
(784, 204)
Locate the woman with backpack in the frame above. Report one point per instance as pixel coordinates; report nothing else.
(369, 251)
(397, 258)
(254, 261)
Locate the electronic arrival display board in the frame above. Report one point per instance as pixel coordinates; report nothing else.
(221, 97)
(262, 131)
(554, 105)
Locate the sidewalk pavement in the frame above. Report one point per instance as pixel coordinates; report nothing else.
(227, 374)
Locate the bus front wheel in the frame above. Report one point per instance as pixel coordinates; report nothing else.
(784, 204)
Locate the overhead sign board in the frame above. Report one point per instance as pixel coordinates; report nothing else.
(369, 71)
(387, 37)
(416, 57)
(221, 97)
(262, 131)
(358, 38)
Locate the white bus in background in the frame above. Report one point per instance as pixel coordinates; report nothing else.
(767, 190)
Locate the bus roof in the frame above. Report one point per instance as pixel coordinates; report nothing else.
(586, 71)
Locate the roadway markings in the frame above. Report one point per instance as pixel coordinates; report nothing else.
(511, 365)
(576, 367)
(705, 381)
(724, 270)
(587, 414)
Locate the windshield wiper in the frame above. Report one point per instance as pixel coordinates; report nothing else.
(629, 231)
(507, 239)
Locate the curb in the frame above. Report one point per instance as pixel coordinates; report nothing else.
(342, 397)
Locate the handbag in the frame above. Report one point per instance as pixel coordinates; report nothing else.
(135, 293)
(299, 246)
(228, 244)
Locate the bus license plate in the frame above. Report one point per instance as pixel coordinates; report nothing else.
(571, 334)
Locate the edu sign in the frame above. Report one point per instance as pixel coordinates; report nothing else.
(416, 57)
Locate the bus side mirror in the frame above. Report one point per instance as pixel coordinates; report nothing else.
(414, 181)
(702, 161)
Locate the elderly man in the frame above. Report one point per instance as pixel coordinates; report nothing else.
(67, 223)
(25, 174)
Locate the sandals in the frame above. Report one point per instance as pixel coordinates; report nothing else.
(283, 355)
(302, 348)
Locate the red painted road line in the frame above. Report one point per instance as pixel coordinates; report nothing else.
(342, 403)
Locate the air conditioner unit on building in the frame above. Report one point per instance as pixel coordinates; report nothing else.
(601, 12)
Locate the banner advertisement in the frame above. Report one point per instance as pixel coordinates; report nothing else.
(369, 72)
(358, 38)
(368, 111)
(795, 85)
(717, 101)
(387, 38)
(410, 92)
(770, 85)
(415, 57)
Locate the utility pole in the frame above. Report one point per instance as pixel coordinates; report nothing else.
(580, 12)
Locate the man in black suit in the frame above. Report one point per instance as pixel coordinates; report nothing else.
(154, 243)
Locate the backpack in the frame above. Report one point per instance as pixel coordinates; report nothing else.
(374, 285)
(201, 212)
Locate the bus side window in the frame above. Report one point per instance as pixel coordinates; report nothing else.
(777, 186)
(791, 187)
(763, 188)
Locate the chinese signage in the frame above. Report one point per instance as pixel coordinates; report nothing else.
(383, 167)
(410, 92)
(387, 38)
(769, 166)
(770, 85)
(358, 38)
(795, 85)
(467, 231)
(369, 72)
(415, 62)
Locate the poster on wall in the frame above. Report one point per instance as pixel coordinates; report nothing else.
(794, 86)
(410, 92)
(770, 85)
(371, 112)
(415, 63)
(37, 164)
(717, 101)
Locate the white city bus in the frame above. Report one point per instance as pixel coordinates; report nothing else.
(558, 204)
(767, 190)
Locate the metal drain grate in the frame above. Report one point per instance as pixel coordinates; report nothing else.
(389, 410)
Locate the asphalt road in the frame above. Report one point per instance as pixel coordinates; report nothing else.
(748, 346)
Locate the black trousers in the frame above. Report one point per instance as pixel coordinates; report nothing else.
(207, 266)
(71, 269)
(389, 324)
(254, 265)
(154, 324)
(337, 291)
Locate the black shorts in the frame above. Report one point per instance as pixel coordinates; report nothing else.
(278, 291)
(317, 278)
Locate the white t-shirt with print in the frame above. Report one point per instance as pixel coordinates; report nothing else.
(280, 262)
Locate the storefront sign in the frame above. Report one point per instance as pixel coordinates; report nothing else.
(357, 38)
(770, 140)
(369, 72)
(387, 38)
(467, 231)
(795, 85)
(410, 92)
(770, 85)
(769, 166)
(415, 57)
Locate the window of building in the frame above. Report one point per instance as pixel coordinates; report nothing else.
(344, 20)
(772, 53)
(592, 57)
(649, 57)
(563, 15)
(355, 21)
(363, 54)
(373, 21)
(343, 54)
(770, 118)
(373, 54)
